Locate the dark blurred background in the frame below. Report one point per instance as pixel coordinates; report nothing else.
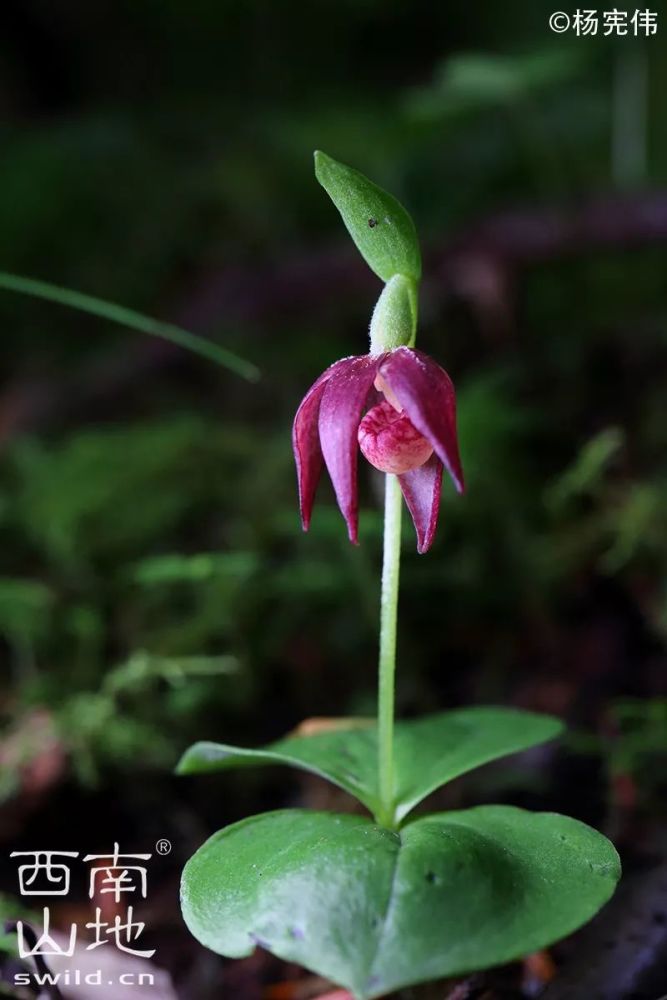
(156, 587)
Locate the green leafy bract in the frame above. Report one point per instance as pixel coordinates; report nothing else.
(381, 228)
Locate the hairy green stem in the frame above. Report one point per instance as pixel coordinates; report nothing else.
(387, 666)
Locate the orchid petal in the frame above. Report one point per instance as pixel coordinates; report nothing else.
(426, 394)
(306, 443)
(343, 401)
(421, 490)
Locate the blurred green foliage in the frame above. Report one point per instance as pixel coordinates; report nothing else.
(155, 584)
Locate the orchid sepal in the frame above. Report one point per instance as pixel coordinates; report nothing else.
(326, 429)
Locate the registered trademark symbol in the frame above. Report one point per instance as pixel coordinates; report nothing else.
(163, 847)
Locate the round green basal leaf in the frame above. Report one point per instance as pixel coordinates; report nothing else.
(381, 228)
(428, 752)
(375, 910)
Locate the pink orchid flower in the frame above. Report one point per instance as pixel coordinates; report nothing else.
(409, 430)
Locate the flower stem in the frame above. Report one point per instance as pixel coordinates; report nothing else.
(387, 666)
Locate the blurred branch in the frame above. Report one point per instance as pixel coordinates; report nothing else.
(128, 317)
(524, 237)
(629, 152)
(479, 265)
(296, 288)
